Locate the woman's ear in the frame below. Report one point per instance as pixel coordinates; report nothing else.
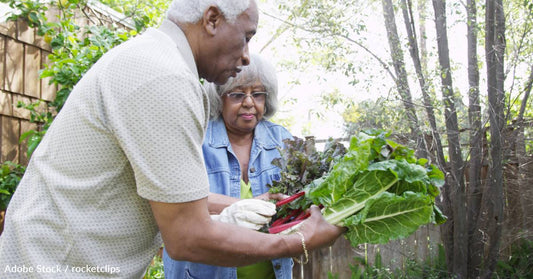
(213, 17)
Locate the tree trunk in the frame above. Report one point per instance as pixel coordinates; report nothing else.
(460, 236)
(475, 238)
(492, 202)
(401, 77)
(422, 6)
(413, 50)
(444, 204)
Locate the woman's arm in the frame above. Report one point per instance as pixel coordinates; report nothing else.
(217, 202)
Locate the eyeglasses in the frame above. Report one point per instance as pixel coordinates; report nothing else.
(238, 97)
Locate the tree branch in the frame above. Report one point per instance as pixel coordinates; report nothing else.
(385, 65)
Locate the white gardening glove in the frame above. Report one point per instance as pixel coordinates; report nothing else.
(248, 213)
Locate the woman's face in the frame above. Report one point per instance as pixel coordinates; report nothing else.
(240, 112)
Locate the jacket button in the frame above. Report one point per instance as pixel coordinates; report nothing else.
(252, 170)
(277, 266)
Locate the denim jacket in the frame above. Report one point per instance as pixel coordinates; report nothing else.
(224, 178)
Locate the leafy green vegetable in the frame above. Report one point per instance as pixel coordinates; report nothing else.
(378, 189)
(301, 163)
(401, 216)
(369, 186)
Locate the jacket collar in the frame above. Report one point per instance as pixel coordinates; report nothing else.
(218, 136)
(176, 34)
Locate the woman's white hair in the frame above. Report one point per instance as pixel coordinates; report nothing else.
(191, 11)
(258, 69)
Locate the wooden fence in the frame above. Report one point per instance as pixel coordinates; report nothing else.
(422, 246)
(23, 53)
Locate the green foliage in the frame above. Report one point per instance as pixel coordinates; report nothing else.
(75, 48)
(73, 56)
(333, 38)
(379, 114)
(10, 176)
(287, 122)
(331, 21)
(143, 13)
(301, 163)
(30, 11)
(362, 268)
(519, 264)
(41, 116)
(156, 269)
(379, 190)
(519, 31)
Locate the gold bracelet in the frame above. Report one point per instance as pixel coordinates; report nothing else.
(305, 250)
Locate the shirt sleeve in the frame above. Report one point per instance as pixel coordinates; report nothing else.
(160, 126)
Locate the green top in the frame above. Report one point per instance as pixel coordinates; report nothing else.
(260, 270)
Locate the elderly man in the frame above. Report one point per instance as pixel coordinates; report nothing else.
(121, 167)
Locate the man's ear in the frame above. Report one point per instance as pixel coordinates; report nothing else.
(213, 17)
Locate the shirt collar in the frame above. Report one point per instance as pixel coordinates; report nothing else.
(176, 34)
(218, 136)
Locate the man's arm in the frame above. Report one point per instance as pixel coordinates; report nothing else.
(189, 234)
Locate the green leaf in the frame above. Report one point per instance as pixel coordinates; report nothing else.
(343, 174)
(438, 217)
(409, 172)
(389, 217)
(26, 135)
(367, 187)
(436, 176)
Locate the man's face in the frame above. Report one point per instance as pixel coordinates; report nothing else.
(228, 49)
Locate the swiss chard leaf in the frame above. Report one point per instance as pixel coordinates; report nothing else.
(368, 186)
(438, 217)
(389, 217)
(329, 189)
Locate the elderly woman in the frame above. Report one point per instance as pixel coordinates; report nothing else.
(238, 148)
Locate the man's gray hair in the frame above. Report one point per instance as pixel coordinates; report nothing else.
(191, 11)
(258, 69)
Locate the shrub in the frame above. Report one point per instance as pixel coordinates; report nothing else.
(155, 270)
(519, 264)
(431, 268)
(10, 176)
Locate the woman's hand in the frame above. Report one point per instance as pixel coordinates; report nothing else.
(269, 196)
(249, 213)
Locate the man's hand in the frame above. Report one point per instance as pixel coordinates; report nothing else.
(318, 232)
(248, 213)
